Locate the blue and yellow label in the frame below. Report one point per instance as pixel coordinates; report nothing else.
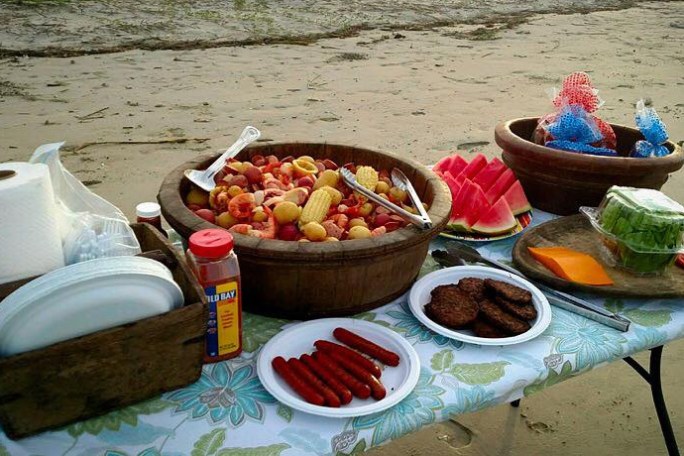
(223, 327)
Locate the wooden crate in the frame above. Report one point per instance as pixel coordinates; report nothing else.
(91, 375)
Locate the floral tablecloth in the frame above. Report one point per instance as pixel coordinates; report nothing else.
(228, 412)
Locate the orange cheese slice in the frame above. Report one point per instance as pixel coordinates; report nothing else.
(571, 265)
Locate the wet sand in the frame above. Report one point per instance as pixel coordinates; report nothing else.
(129, 118)
(65, 27)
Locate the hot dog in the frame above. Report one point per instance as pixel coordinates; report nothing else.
(350, 354)
(300, 386)
(366, 346)
(378, 391)
(329, 378)
(331, 399)
(360, 390)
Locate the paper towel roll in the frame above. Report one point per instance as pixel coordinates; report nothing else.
(30, 243)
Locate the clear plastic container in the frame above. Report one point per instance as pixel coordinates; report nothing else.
(215, 265)
(176, 240)
(643, 230)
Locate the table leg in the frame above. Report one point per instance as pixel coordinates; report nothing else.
(652, 376)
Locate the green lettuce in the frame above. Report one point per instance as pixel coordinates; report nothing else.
(646, 225)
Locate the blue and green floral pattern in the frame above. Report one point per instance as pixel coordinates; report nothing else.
(228, 412)
(224, 394)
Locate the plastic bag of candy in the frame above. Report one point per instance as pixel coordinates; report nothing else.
(575, 130)
(654, 131)
(576, 90)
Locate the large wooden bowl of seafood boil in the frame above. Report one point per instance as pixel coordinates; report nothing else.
(305, 280)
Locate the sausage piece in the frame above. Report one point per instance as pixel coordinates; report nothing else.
(305, 373)
(366, 346)
(360, 390)
(300, 386)
(340, 389)
(350, 354)
(378, 390)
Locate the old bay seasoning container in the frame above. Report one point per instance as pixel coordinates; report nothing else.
(211, 257)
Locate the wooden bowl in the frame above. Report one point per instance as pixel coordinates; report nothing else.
(560, 182)
(312, 280)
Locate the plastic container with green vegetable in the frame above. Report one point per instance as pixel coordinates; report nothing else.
(642, 229)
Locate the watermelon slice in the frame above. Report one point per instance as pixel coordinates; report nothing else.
(486, 178)
(443, 164)
(516, 199)
(459, 202)
(472, 204)
(475, 166)
(453, 183)
(498, 219)
(457, 165)
(502, 184)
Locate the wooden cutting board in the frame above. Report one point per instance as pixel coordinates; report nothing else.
(575, 232)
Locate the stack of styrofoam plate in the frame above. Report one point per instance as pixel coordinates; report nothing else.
(84, 298)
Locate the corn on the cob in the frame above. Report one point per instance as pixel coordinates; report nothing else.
(316, 208)
(327, 177)
(334, 193)
(367, 177)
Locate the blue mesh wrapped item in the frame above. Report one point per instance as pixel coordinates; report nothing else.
(654, 131)
(575, 130)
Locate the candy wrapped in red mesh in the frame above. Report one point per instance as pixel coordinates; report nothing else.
(578, 90)
(609, 139)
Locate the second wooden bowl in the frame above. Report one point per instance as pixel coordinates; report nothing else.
(560, 182)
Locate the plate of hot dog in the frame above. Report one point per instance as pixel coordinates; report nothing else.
(338, 367)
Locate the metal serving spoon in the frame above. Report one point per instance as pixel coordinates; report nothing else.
(205, 179)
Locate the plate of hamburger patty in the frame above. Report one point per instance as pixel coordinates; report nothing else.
(480, 305)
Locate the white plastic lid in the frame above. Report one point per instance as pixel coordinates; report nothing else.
(148, 210)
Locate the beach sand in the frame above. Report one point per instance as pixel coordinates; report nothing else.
(129, 118)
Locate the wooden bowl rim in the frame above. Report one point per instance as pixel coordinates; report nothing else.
(510, 142)
(303, 252)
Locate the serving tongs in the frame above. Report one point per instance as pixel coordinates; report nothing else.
(424, 223)
(400, 180)
(565, 301)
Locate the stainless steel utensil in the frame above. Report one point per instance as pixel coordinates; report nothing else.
(446, 259)
(205, 179)
(350, 180)
(400, 180)
(558, 298)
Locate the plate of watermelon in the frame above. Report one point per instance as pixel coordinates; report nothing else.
(488, 201)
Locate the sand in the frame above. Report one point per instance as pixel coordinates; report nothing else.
(128, 118)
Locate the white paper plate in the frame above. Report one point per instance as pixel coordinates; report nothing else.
(420, 296)
(84, 298)
(297, 340)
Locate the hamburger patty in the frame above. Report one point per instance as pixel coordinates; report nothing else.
(522, 311)
(451, 307)
(502, 319)
(508, 291)
(474, 287)
(482, 328)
